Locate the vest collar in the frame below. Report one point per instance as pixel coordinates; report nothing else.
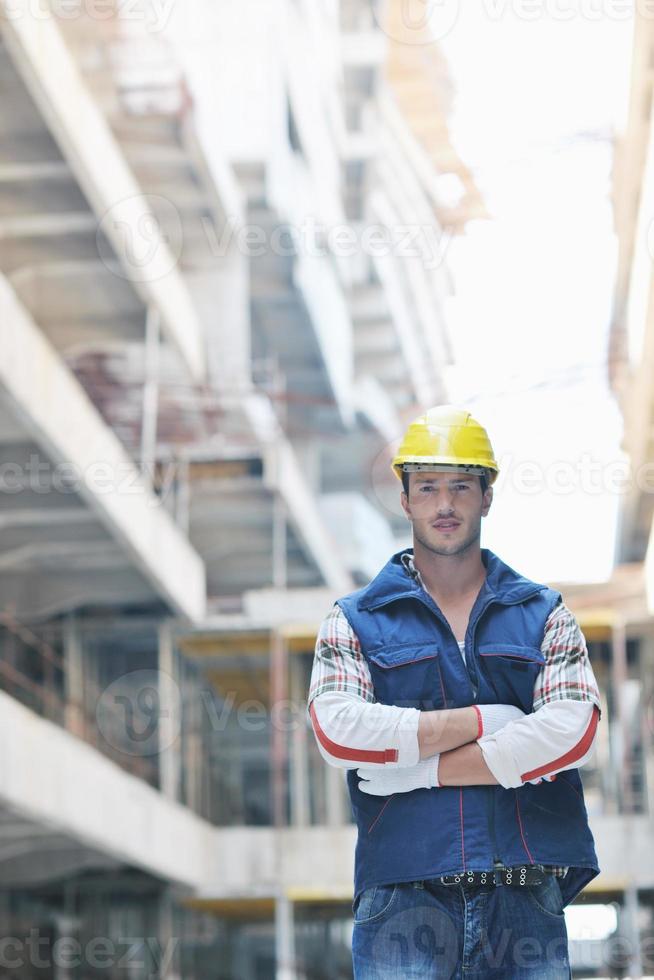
(502, 584)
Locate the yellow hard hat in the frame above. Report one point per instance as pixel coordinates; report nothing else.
(446, 436)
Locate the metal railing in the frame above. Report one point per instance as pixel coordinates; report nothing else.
(33, 671)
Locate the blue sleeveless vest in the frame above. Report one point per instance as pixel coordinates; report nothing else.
(415, 662)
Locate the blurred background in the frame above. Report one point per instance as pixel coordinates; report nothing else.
(242, 244)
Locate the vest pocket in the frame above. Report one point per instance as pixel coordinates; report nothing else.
(511, 671)
(554, 813)
(408, 675)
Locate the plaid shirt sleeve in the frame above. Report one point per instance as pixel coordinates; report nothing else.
(338, 663)
(567, 674)
(559, 733)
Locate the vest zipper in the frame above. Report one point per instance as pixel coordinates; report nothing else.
(475, 688)
(491, 825)
(429, 603)
(491, 795)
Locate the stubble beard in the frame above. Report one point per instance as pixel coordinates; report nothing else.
(455, 548)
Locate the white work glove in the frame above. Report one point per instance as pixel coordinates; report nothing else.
(496, 716)
(424, 775)
(381, 782)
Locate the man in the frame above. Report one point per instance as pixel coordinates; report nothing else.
(459, 696)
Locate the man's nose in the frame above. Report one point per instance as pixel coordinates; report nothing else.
(445, 500)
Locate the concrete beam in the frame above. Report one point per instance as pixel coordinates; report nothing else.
(216, 174)
(249, 862)
(373, 400)
(46, 396)
(45, 517)
(72, 788)
(283, 473)
(390, 272)
(327, 308)
(41, 593)
(374, 336)
(15, 173)
(624, 849)
(363, 49)
(89, 555)
(266, 609)
(86, 141)
(638, 397)
(368, 303)
(44, 225)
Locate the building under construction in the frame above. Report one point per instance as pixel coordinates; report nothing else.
(214, 325)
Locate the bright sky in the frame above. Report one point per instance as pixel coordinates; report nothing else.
(537, 103)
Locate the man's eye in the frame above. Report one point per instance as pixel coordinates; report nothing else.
(425, 489)
(461, 486)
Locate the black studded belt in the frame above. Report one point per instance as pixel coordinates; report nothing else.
(529, 874)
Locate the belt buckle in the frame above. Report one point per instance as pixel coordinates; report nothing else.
(451, 879)
(538, 875)
(465, 877)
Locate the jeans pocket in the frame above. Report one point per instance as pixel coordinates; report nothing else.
(373, 903)
(547, 897)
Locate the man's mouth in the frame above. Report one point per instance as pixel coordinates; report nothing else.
(447, 525)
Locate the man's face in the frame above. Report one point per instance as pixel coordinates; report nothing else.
(446, 509)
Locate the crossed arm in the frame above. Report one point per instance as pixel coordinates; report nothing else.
(511, 749)
(459, 764)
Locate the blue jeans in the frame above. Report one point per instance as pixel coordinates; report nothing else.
(460, 932)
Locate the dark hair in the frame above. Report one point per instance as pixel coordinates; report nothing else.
(483, 480)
